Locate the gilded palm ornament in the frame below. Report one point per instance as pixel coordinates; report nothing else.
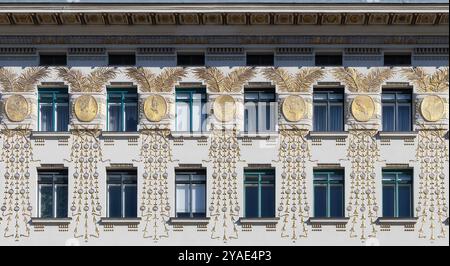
(148, 81)
(95, 81)
(301, 81)
(217, 81)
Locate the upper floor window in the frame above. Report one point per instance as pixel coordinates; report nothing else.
(328, 193)
(122, 194)
(190, 110)
(53, 112)
(58, 59)
(397, 193)
(53, 194)
(328, 110)
(260, 59)
(328, 59)
(121, 59)
(397, 110)
(397, 59)
(122, 110)
(259, 190)
(260, 108)
(191, 193)
(190, 59)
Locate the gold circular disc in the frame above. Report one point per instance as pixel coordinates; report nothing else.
(155, 108)
(363, 108)
(432, 108)
(86, 108)
(293, 108)
(17, 108)
(224, 108)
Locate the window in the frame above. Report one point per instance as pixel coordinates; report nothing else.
(328, 110)
(397, 193)
(122, 194)
(260, 109)
(396, 110)
(53, 194)
(329, 193)
(53, 112)
(190, 110)
(259, 194)
(327, 59)
(191, 193)
(52, 59)
(122, 59)
(122, 110)
(263, 59)
(191, 59)
(397, 59)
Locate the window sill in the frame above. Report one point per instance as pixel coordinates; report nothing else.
(50, 221)
(272, 134)
(400, 134)
(50, 134)
(258, 221)
(329, 221)
(331, 135)
(189, 221)
(397, 221)
(120, 221)
(112, 134)
(193, 135)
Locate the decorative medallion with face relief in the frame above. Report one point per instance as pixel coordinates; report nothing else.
(17, 108)
(432, 108)
(363, 108)
(224, 108)
(86, 108)
(155, 108)
(293, 108)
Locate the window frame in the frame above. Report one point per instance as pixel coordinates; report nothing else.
(190, 182)
(328, 184)
(203, 101)
(55, 174)
(396, 183)
(54, 93)
(258, 111)
(53, 64)
(392, 54)
(191, 64)
(329, 103)
(122, 185)
(328, 64)
(260, 64)
(259, 184)
(122, 92)
(132, 54)
(396, 103)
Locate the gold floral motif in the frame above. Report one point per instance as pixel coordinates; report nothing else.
(293, 108)
(149, 82)
(86, 108)
(216, 80)
(432, 108)
(155, 108)
(363, 108)
(300, 82)
(224, 108)
(358, 82)
(424, 82)
(17, 108)
(25, 82)
(93, 82)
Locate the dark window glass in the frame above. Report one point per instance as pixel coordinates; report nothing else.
(122, 194)
(328, 111)
(191, 111)
(122, 59)
(260, 60)
(397, 59)
(190, 193)
(328, 193)
(259, 111)
(53, 197)
(397, 110)
(397, 193)
(52, 60)
(53, 112)
(328, 60)
(122, 110)
(259, 190)
(190, 59)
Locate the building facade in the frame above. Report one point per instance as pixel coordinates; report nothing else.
(224, 123)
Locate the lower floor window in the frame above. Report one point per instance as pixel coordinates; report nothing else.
(52, 194)
(190, 193)
(122, 194)
(259, 193)
(328, 193)
(397, 193)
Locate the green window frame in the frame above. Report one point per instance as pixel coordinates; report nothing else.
(333, 183)
(259, 193)
(56, 98)
(188, 96)
(397, 184)
(127, 99)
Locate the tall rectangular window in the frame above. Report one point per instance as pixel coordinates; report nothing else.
(260, 109)
(397, 110)
(328, 110)
(53, 59)
(122, 194)
(53, 194)
(328, 59)
(397, 193)
(329, 193)
(53, 112)
(190, 193)
(190, 110)
(191, 59)
(121, 59)
(396, 59)
(122, 110)
(259, 193)
(260, 59)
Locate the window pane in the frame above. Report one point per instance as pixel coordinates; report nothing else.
(62, 116)
(266, 116)
(388, 200)
(115, 201)
(268, 201)
(198, 199)
(404, 201)
(130, 117)
(320, 201)
(183, 117)
(114, 110)
(336, 201)
(250, 113)
(388, 118)
(320, 118)
(130, 201)
(251, 201)
(404, 118)
(183, 201)
(61, 201)
(197, 115)
(336, 118)
(46, 114)
(46, 198)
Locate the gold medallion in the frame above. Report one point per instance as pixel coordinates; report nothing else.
(86, 108)
(432, 108)
(293, 108)
(224, 108)
(363, 108)
(155, 108)
(17, 108)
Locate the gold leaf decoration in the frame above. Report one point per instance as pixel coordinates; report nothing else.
(25, 82)
(435, 82)
(356, 81)
(93, 82)
(150, 82)
(300, 82)
(216, 81)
